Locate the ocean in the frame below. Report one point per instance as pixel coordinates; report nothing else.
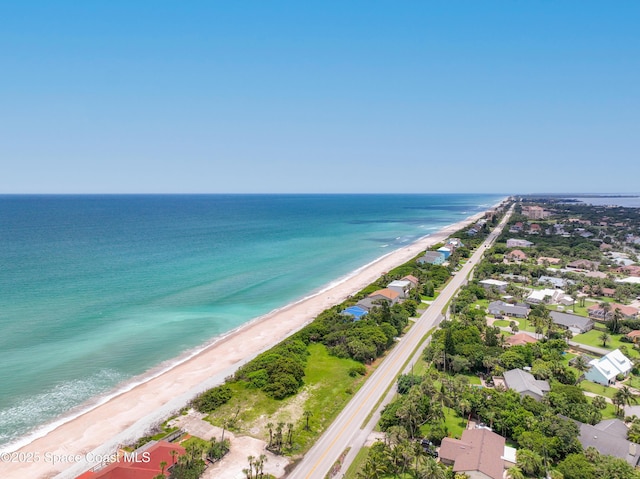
(96, 290)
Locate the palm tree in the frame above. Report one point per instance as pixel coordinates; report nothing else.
(599, 402)
(307, 414)
(626, 396)
(606, 308)
(431, 470)
(529, 461)
(604, 337)
(581, 364)
(514, 472)
(614, 325)
(290, 433)
(270, 428)
(163, 464)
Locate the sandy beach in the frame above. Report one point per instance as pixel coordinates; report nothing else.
(73, 447)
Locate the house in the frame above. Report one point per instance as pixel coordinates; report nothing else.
(610, 437)
(412, 279)
(516, 255)
(608, 292)
(555, 282)
(547, 296)
(400, 286)
(518, 243)
(499, 308)
(386, 294)
(605, 247)
(584, 264)
(633, 336)
(574, 323)
(604, 370)
(488, 284)
(472, 232)
(519, 339)
(144, 463)
(516, 278)
(432, 257)
(596, 312)
(534, 228)
(479, 453)
(549, 260)
(454, 243)
(525, 384)
(446, 251)
(356, 311)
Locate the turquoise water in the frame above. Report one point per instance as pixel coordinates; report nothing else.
(97, 289)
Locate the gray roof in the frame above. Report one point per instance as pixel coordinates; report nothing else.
(571, 320)
(432, 255)
(557, 282)
(366, 303)
(611, 439)
(523, 382)
(506, 308)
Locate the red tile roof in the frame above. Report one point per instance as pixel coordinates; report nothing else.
(387, 293)
(477, 450)
(519, 339)
(146, 465)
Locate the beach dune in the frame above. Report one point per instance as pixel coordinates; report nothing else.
(79, 444)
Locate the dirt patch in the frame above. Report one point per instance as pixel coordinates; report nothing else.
(290, 412)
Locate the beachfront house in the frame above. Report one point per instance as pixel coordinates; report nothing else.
(389, 295)
(401, 287)
(604, 370)
(446, 251)
(412, 279)
(432, 257)
(144, 463)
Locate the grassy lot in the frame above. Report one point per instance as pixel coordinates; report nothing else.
(598, 389)
(328, 387)
(430, 298)
(358, 462)
(592, 338)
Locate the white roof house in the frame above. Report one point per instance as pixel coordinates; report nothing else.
(605, 369)
(400, 286)
(545, 296)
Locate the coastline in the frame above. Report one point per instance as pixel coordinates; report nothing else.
(124, 415)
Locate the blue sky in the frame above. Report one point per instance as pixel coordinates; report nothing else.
(348, 96)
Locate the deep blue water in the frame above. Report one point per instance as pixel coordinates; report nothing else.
(97, 289)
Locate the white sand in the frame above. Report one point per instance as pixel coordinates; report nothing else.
(130, 414)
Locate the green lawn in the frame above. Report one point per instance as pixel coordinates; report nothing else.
(501, 323)
(358, 462)
(328, 387)
(592, 338)
(598, 389)
(455, 424)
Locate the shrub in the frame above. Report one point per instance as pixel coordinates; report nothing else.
(212, 399)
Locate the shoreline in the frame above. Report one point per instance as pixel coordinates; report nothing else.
(124, 414)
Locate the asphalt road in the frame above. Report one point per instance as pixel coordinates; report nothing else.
(346, 431)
